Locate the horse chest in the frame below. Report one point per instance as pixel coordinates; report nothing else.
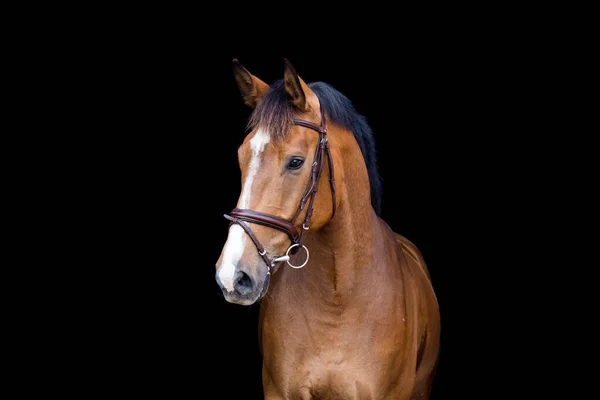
(330, 363)
(330, 384)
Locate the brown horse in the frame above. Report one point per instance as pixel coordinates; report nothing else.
(347, 309)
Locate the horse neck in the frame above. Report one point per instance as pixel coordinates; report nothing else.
(341, 252)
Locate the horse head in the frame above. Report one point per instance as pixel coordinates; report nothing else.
(281, 161)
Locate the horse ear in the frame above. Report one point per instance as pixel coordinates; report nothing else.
(251, 88)
(295, 86)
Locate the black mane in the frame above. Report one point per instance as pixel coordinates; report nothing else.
(275, 113)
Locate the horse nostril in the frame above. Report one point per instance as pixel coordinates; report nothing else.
(243, 283)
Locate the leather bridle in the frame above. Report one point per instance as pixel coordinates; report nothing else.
(242, 216)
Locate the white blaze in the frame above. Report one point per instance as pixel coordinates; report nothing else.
(236, 240)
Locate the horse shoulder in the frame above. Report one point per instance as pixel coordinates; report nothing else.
(411, 250)
(429, 324)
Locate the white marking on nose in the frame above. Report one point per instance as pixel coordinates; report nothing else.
(236, 240)
(234, 248)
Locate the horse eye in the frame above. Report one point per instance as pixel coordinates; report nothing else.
(295, 163)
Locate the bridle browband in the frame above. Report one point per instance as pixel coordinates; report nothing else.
(242, 216)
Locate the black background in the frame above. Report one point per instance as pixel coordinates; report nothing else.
(439, 119)
(141, 119)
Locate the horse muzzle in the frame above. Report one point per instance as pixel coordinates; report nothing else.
(242, 287)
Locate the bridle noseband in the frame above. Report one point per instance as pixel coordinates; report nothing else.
(242, 216)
